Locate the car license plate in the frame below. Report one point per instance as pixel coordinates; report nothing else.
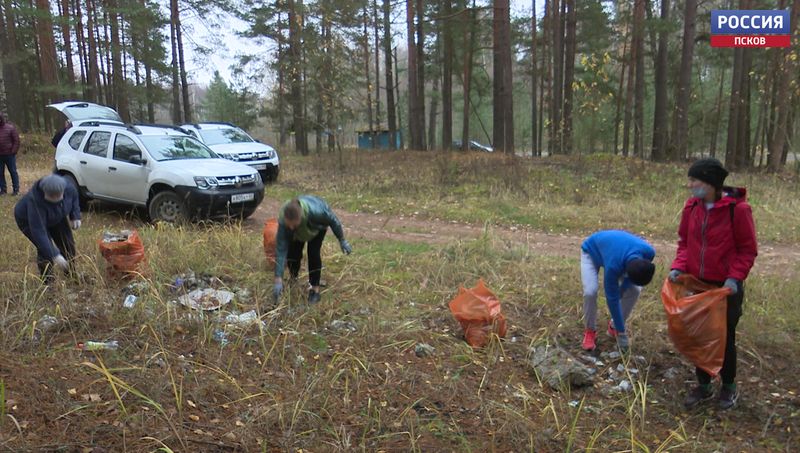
(260, 166)
(241, 197)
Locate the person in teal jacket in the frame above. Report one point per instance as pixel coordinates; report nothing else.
(302, 220)
(627, 262)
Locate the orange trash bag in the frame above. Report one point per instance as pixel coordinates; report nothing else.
(697, 320)
(270, 239)
(479, 313)
(123, 253)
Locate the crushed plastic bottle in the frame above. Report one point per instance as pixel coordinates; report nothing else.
(221, 337)
(130, 301)
(98, 345)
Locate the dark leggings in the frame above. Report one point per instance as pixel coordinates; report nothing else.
(295, 255)
(728, 372)
(61, 235)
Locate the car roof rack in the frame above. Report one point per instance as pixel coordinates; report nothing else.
(167, 126)
(97, 123)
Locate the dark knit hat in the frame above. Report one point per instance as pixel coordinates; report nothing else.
(640, 271)
(710, 171)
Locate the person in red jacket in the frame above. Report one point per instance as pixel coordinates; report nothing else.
(717, 244)
(9, 145)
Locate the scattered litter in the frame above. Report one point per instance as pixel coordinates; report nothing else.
(47, 323)
(206, 299)
(130, 301)
(98, 345)
(338, 324)
(122, 236)
(613, 355)
(299, 360)
(557, 367)
(250, 317)
(137, 288)
(621, 368)
(424, 350)
(573, 403)
(479, 312)
(624, 386)
(221, 337)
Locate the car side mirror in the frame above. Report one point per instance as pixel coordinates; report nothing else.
(137, 159)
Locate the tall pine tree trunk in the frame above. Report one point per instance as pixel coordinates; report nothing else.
(660, 127)
(780, 135)
(387, 55)
(557, 99)
(66, 36)
(569, 74)
(176, 87)
(296, 72)
(447, 75)
(626, 127)
(413, 96)
(469, 38)
(47, 56)
(680, 132)
(187, 106)
(369, 78)
(534, 74)
(377, 44)
(120, 85)
(638, 117)
(420, 47)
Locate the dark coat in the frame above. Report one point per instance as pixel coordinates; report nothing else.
(35, 215)
(9, 139)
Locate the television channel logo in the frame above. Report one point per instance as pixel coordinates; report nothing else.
(750, 28)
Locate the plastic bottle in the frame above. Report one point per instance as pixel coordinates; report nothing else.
(98, 345)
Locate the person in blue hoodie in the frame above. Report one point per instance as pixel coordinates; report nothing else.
(304, 220)
(627, 262)
(46, 215)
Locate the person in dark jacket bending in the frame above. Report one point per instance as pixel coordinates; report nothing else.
(46, 215)
(717, 244)
(302, 220)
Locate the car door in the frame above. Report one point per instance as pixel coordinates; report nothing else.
(93, 163)
(129, 180)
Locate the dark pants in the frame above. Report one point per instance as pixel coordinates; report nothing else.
(9, 161)
(728, 372)
(61, 235)
(295, 255)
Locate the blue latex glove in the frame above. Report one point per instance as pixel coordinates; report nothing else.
(346, 249)
(733, 284)
(277, 289)
(673, 275)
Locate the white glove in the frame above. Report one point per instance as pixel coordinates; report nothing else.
(61, 262)
(76, 224)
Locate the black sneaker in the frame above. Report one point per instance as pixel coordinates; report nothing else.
(727, 397)
(313, 297)
(697, 395)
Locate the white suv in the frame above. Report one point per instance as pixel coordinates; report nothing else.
(235, 144)
(158, 167)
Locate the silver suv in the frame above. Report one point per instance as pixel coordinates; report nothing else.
(235, 144)
(158, 167)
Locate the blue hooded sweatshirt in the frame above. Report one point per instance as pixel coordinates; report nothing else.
(611, 250)
(35, 215)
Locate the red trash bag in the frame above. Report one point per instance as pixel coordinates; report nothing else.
(123, 256)
(270, 239)
(697, 320)
(479, 313)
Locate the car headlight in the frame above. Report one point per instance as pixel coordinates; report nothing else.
(206, 182)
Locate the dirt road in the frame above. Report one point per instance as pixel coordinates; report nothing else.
(772, 259)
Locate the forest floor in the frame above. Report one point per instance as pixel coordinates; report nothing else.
(344, 375)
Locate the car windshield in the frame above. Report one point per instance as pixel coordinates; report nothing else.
(173, 147)
(222, 136)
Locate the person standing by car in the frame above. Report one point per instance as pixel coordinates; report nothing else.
(46, 215)
(60, 134)
(9, 146)
(716, 244)
(302, 220)
(627, 262)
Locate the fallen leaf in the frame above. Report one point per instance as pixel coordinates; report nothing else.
(191, 403)
(194, 418)
(239, 423)
(72, 392)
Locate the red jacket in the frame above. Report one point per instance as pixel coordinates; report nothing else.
(9, 139)
(718, 243)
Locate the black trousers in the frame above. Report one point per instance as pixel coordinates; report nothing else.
(728, 372)
(295, 255)
(61, 235)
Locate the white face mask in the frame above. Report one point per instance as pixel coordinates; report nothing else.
(699, 192)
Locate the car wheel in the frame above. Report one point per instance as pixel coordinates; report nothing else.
(83, 200)
(167, 207)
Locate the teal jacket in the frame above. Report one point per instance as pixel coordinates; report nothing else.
(317, 216)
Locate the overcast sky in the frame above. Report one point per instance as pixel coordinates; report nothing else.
(226, 45)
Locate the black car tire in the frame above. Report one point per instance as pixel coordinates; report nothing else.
(167, 207)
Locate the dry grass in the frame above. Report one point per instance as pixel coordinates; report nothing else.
(303, 381)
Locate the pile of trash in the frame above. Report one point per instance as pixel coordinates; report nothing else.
(123, 252)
